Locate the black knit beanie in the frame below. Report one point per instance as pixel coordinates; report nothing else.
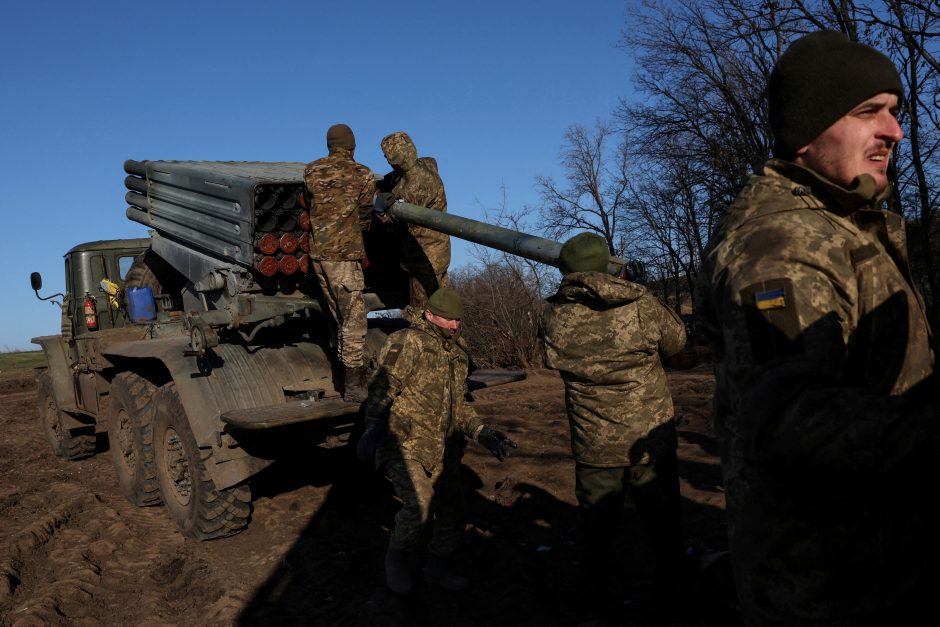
(340, 136)
(818, 79)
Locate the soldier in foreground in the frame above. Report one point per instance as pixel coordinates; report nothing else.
(824, 409)
(416, 422)
(424, 254)
(607, 336)
(340, 191)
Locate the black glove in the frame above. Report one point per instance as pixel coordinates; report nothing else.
(365, 448)
(382, 201)
(496, 441)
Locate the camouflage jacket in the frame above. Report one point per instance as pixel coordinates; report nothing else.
(417, 182)
(419, 390)
(605, 336)
(339, 189)
(819, 338)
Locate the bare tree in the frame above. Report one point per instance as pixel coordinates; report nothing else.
(698, 128)
(502, 296)
(593, 195)
(501, 317)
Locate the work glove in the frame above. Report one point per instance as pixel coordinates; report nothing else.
(368, 442)
(382, 201)
(496, 441)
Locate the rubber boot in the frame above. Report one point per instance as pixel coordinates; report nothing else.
(354, 385)
(437, 572)
(397, 571)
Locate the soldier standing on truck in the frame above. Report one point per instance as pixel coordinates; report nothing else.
(341, 191)
(416, 422)
(826, 398)
(424, 254)
(607, 337)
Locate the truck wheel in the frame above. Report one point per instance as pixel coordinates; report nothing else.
(65, 442)
(197, 507)
(130, 435)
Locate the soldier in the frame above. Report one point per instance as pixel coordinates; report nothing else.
(825, 415)
(340, 191)
(424, 254)
(416, 421)
(606, 336)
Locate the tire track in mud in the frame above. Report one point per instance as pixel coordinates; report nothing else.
(84, 561)
(73, 551)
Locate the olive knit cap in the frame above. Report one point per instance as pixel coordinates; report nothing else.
(446, 303)
(340, 136)
(585, 252)
(817, 80)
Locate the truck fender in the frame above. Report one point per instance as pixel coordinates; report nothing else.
(55, 348)
(229, 377)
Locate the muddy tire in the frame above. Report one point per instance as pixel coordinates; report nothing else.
(67, 443)
(130, 435)
(198, 508)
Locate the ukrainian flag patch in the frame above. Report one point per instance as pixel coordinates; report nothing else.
(773, 299)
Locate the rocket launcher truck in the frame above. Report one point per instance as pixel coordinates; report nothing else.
(204, 350)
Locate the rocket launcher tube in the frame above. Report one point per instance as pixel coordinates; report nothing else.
(528, 246)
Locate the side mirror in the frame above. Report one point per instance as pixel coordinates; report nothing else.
(35, 279)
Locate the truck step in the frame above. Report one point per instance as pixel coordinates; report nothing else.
(293, 412)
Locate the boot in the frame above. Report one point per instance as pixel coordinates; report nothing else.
(354, 385)
(437, 572)
(397, 571)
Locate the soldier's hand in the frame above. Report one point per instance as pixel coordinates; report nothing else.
(497, 442)
(382, 201)
(365, 448)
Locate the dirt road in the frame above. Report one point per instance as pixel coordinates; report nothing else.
(74, 552)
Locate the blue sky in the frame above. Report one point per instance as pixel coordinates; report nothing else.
(486, 87)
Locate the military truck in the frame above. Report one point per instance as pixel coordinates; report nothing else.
(204, 350)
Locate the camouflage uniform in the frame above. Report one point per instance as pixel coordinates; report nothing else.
(424, 254)
(820, 340)
(340, 190)
(419, 390)
(606, 335)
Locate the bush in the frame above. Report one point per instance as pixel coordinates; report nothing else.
(502, 313)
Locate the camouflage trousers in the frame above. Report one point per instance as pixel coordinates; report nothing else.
(424, 277)
(649, 492)
(342, 283)
(429, 502)
(421, 286)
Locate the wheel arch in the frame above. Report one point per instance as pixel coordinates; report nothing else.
(228, 377)
(55, 349)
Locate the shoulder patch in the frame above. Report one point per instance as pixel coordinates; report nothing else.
(772, 321)
(771, 299)
(862, 254)
(392, 355)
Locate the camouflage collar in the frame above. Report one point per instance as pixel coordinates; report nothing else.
(425, 326)
(344, 153)
(599, 288)
(860, 195)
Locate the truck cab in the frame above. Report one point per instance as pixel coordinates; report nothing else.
(86, 266)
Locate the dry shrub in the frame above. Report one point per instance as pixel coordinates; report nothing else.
(502, 314)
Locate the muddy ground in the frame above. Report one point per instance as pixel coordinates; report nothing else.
(74, 552)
